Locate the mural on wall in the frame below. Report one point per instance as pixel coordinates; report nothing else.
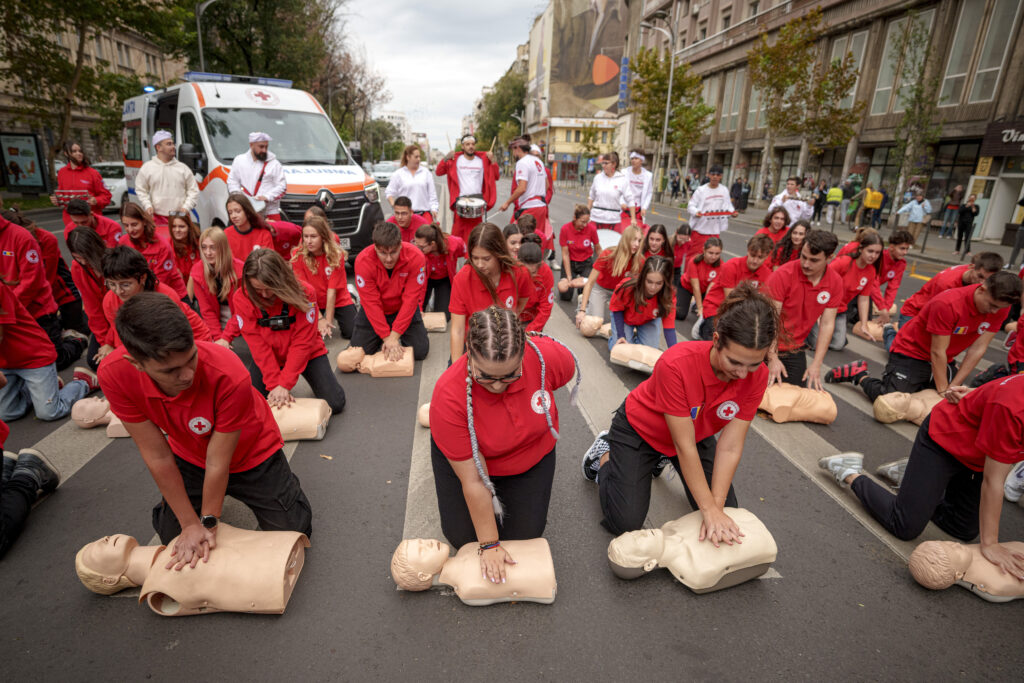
(588, 41)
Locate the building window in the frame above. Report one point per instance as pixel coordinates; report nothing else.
(723, 119)
(568, 136)
(726, 21)
(883, 174)
(755, 111)
(954, 165)
(888, 87)
(702, 30)
(577, 136)
(604, 136)
(99, 48)
(851, 43)
(982, 58)
(788, 166)
(710, 93)
(124, 55)
(831, 169)
(753, 8)
(732, 94)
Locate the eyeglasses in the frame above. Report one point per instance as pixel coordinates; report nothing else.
(481, 378)
(121, 286)
(177, 214)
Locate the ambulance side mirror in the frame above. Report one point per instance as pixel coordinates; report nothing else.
(196, 160)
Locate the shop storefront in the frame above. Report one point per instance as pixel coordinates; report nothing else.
(998, 181)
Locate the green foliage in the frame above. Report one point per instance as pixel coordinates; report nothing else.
(505, 99)
(690, 115)
(589, 136)
(920, 127)
(379, 139)
(827, 124)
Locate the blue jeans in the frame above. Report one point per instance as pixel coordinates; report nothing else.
(38, 388)
(648, 334)
(889, 334)
(948, 221)
(838, 341)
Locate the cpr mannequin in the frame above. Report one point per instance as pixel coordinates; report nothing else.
(790, 403)
(861, 329)
(898, 405)
(419, 564)
(423, 415)
(638, 357)
(354, 358)
(590, 325)
(565, 284)
(940, 564)
(698, 565)
(435, 322)
(94, 411)
(305, 419)
(248, 571)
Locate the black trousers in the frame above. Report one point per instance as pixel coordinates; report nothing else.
(365, 337)
(320, 375)
(345, 316)
(707, 329)
(271, 490)
(577, 269)
(903, 373)
(795, 363)
(683, 299)
(963, 236)
(936, 487)
(72, 317)
(525, 498)
(68, 350)
(17, 495)
(441, 288)
(625, 480)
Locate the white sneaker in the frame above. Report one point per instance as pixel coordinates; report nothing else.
(842, 465)
(893, 472)
(1014, 486)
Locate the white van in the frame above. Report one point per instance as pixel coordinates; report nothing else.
(211, 116)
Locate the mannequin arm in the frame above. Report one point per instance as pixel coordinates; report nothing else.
(717, 526)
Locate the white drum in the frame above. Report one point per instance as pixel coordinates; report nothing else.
(470, 207)
(608, 238)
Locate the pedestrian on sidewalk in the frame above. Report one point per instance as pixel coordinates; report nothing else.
(949, 218)
(918, 212)
(965, 226)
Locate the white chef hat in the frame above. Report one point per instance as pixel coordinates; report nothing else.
(637, 155)
(160, 136)
(535, 149)
(258, 137)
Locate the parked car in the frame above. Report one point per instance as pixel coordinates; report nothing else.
(112, 173)
(383, 171)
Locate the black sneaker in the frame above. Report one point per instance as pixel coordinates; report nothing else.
(848, 372)
(32, 463)
(592, 458)
(660, 467)
(10, 461)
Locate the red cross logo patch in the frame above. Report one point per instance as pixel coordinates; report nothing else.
(728, 410)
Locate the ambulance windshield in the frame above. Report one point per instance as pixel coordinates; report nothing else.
(298, 137)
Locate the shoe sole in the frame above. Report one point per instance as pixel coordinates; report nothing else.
(880, 472)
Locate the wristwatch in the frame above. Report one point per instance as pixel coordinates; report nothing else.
(208, 521)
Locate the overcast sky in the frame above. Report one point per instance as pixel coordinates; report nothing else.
(437, 54)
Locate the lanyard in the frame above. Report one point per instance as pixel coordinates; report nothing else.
(259, 181)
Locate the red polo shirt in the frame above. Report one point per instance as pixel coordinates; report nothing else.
(400, 291)
(580, 242)
(24, 345)
(409, 233)
(243, 243)
(281, 355)
(160, 257)
(857, 281)
(511, 429)
(93, 290)
(326, 277)
(542, 298)
(948, 279)
(185, 262)
(730, 275)
(1016, 354)
(441, 266)
(469, 293)
(891, 275)
(986, 423)
(52, 259)
(221, 398)
(952, 313)
(802, 302)
(108, 230)
(22, 268)
(210, 305)
(776, 236)
(603, 265)
(684, 385)
(703, 272)
(622, 300)
(112, 304)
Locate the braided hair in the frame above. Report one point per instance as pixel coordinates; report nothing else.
(498, 335)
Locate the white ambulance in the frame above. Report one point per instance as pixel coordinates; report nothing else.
(211, 116)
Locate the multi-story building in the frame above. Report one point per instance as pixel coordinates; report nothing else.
(401, 123)
(978, 57)
(122, 51)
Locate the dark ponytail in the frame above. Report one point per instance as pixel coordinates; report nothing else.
(748, 318)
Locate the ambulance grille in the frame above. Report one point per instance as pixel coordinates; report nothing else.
(344, 215)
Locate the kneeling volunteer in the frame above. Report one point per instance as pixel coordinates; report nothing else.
(279, 323)
(221, 436)
(697, 390)
(493, 427)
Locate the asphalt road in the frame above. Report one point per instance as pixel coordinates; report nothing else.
(838, 604)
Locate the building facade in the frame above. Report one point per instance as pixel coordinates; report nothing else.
(977, 54)
(401, 123)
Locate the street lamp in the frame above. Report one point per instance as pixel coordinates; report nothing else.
(200, 6)
(662, 15)
(518, 117)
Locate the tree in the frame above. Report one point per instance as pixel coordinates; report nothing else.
(690, 115)
(506, 98)
(42, 49)
(800, 95)
(380, 140)
(920, 127)
(589, 145)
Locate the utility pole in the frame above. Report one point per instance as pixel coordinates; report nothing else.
(671, 35)
(200, 6)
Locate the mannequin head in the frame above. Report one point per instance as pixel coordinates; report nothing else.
(861, 329)
(349, 359)
(563, 286)
(636, 552)
(416, 561)
(938, 564)
(423, 415)
(90, 412)
(101, 565)
(898, 405)
(590, 325)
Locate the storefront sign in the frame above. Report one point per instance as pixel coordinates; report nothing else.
(984, 166)
(1003, 139)
(21, 155)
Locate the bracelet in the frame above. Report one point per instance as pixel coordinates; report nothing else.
(487, 546)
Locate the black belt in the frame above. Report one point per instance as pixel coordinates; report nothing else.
(603, 208)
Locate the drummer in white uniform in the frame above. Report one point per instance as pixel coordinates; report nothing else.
(642, 182)
(530, 185)
(611, 195)
(415, 182)
(471, 185)
(259, 175)
(710, 208)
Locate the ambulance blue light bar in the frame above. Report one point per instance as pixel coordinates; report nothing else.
(206, 77)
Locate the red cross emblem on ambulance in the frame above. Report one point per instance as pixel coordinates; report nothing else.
(261, 95)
